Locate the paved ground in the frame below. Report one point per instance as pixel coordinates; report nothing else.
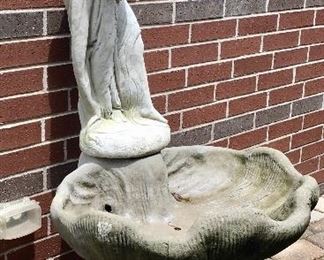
(311, 244)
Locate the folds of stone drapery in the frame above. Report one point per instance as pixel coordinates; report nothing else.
(107, 54)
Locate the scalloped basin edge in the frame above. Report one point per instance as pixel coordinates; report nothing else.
(193, 202)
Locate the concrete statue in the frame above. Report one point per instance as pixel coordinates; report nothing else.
(132, 198)
(116, 112)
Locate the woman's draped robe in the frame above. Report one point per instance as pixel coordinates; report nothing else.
(107, 54)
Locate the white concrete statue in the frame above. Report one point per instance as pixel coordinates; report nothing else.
(117, 116)
(185, 203)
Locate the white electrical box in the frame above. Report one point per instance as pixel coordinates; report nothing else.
(19, 218)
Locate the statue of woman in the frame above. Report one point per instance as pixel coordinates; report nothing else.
(117, 115)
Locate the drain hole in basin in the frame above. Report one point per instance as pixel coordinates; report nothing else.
(108, 208)
(177, 228)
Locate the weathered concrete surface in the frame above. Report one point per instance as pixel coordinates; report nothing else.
(117, 116)
(181, 203)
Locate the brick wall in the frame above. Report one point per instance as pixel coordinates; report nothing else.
(236, 74)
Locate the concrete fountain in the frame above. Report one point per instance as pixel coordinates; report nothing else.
(132, 198)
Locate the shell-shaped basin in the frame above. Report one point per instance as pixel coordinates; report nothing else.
(185, 203)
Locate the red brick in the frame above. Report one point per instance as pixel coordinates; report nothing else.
(322, 162)
(53, 231)
(56, 174)
(235, 88)
(308, 166)
(288, 93)
(20, 136)
(285, 128)
(209, 73)
(156, 60)
(252, 65)
(275, 79)
(190, 98)
(309, 71)
(60, 77)
(319, 17)
(6, 245)
(316, 52)
(204, 115)
(31, 158)
(34, 52)
(32, 106)
(159, 103)
(74, 98)
(165, 36)
(235, 48)
(73, 149)
(194, 54)
(213, 30)
(62, 126)
(314, 87)
(312, 150)
(311, 36)
(174, 121)
(281, 144)
(249, 139)
(306, 137)
(296, 20)
(40, 250)
(20, 82)
(45, 200)
(260, 24)
(280, 41)
(22, 4)
(166, 81)
(291, 57)
(222, 143)
(294, 156)
(313, 119)
(245, 104)
(319, 176)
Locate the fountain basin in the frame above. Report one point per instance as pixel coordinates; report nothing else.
(185, 203)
